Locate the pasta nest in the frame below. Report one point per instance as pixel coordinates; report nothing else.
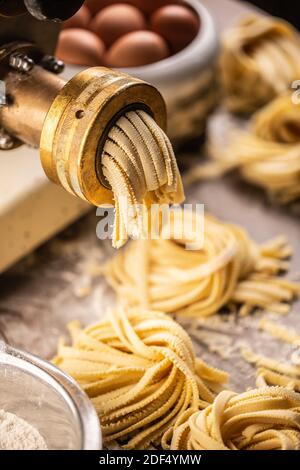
(140, 370)
(261, 54)
(262, 419)
(228, 270)
(268, 154)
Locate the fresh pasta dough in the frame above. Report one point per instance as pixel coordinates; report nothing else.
(272, 372)
(139, 163)
(260, 59)
(267, 418)
(267, 154)
(229, 269)
(140, 370)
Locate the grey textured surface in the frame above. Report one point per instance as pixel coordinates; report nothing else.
(58, 283)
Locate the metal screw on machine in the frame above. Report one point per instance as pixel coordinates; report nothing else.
(52, 64)
(21, 62)
(6, 141)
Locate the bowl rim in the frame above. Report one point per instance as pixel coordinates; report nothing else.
(69, 390)
(203, 45)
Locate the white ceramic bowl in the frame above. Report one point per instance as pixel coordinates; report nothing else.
(48, 399)
(187, 80)
(186, 65)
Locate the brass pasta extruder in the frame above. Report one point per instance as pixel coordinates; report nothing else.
(68, 120)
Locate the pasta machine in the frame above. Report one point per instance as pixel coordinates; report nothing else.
(67, 120)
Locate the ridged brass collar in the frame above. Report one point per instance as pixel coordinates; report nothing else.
(79, 121)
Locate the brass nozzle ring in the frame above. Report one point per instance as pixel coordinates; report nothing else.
(78, 122)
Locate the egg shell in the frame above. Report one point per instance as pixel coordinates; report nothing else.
(178, 24)
(149, 6)
(95, 5)
(80, 47)
(146, 6)
(117, 20)
(81, 19)
(137, 49)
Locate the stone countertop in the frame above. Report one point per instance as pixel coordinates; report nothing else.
(59, 282)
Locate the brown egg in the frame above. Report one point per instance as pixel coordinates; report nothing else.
(149, 6)
(117, 20)
(81, 47)
(81, 19)
(137, 49)
(95, 5)
(178, 24)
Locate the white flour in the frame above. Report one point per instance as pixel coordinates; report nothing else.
(17, 434)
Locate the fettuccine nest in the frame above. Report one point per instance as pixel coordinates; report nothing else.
(139, 163)
(229, 270)
(260, 59)
(140, 370)
(267, 154)
(261, 419)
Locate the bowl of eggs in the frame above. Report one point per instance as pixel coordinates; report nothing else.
(172, 44)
